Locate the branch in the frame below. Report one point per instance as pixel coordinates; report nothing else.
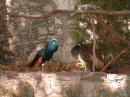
(114, 59)
(94, 46)
(33, 16)
(58, 11)
(109, 29)
(122, 39)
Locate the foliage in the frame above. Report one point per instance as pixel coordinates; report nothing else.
(107, 42)
(107, 4)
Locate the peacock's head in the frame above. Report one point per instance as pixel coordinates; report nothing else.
(54, 39)
(53, 45)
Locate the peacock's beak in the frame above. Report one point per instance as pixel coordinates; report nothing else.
(54, 39)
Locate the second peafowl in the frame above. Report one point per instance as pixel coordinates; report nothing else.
(44, 54)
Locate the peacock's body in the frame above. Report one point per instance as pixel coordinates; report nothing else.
(45, 54)
(84, 54)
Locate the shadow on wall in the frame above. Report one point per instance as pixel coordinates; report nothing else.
(17, 89)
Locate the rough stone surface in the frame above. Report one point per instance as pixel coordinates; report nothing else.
(3, 29)
(71, 84)
(25, 34)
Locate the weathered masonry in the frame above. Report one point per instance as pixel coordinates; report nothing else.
(24, 35)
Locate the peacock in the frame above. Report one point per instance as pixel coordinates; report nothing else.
(83, 53)
(44, 54)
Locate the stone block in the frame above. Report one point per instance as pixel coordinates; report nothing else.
(64, 84)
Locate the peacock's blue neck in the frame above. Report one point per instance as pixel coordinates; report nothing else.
(52, 46)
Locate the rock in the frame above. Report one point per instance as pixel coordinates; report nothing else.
(64, 84)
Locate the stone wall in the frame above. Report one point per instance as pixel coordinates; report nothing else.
(3, 29)
(78, 84)
(26, 34)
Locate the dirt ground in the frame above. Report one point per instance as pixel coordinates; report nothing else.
(48, 68)
(58, 67)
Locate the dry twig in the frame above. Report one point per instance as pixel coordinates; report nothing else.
(122, 39)
(114, 59)
(58, 11)
(94, 46)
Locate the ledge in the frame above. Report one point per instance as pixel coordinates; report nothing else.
(63, 84)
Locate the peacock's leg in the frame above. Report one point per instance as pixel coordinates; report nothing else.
(43, 66)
